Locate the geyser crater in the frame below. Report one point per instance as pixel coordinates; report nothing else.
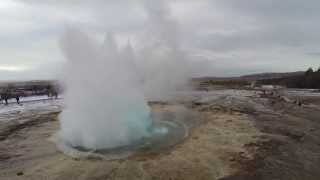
(167, 130)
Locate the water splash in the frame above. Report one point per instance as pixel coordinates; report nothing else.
(105, 105)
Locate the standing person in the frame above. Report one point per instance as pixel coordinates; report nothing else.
(5, 97)
(18, 98)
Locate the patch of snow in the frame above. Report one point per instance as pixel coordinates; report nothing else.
(29, 105)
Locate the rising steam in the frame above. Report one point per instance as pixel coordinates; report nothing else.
(107, 86)
(105, 107)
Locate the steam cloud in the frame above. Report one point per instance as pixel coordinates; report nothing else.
(107, 86)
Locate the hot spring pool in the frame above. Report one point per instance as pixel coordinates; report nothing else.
(168, 129)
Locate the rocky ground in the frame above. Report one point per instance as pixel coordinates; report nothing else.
(239, 134)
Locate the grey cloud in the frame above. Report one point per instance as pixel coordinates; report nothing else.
(263, 38)
(313, 53)
(285, 9)
(251, 29)
(274, 23)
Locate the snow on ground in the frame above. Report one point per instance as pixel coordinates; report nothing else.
(29, 105)
(42, 104)
(303, 92)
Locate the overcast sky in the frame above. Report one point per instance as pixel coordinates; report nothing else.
(224, 37)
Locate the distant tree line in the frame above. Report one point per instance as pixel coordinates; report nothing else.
(230, 82)
(309, 80)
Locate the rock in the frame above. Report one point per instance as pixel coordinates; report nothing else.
(195, 137)
(20, 173)
(296, 135)
(232, 159)
(312, 129)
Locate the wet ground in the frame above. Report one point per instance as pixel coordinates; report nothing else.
(237, 134)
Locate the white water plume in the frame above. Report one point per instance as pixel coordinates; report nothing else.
(105, 106)
(107, 86)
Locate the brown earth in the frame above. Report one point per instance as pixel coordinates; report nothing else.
(292, 151)
(238, 137)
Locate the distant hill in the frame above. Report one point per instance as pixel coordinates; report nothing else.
(262, 76)
(21, 84)
(309, 79)
(252, 77)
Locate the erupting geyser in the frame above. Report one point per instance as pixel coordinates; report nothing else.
(105, 103)
(106, 88)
